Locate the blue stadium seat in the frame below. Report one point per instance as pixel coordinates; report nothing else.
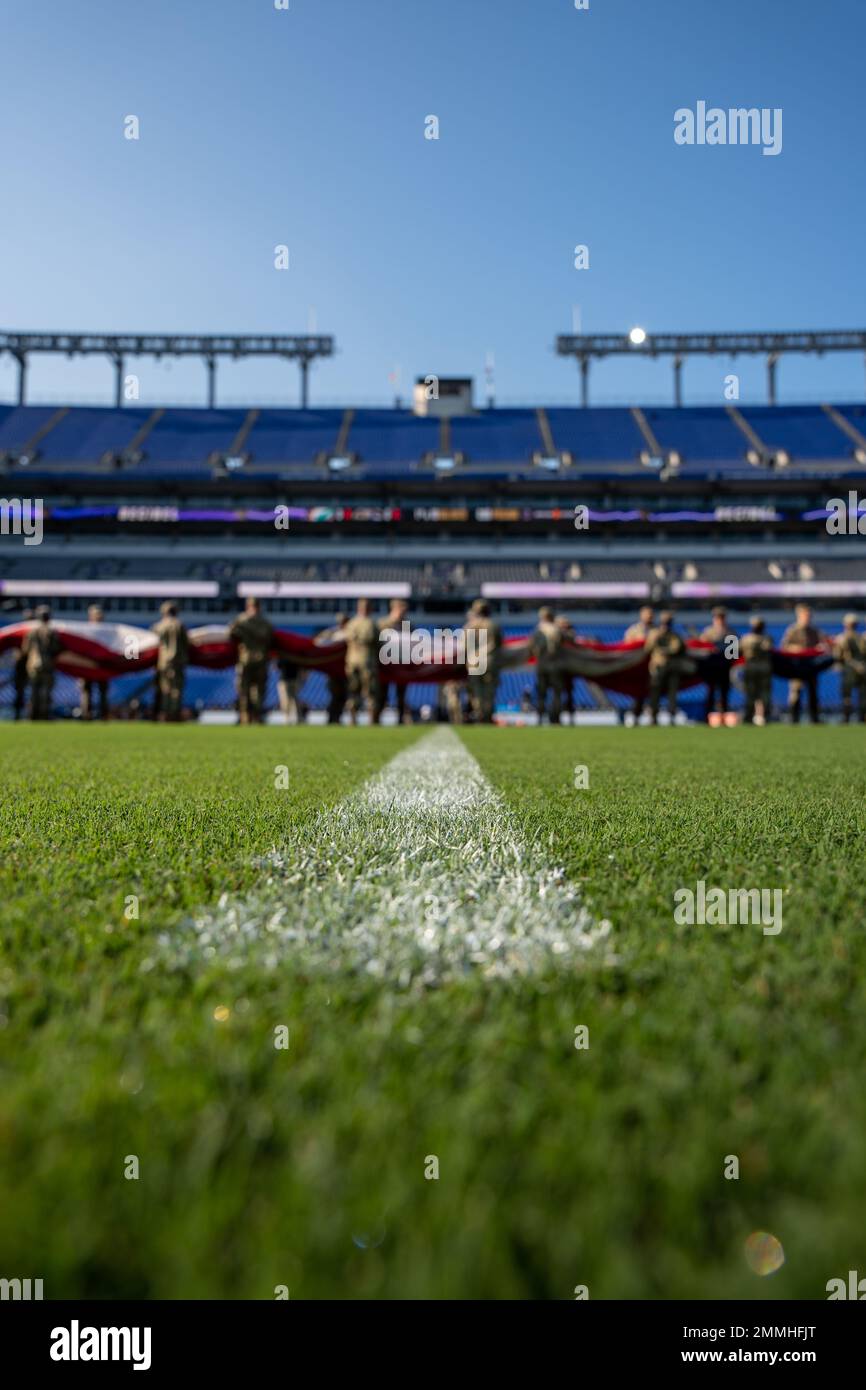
(293, 436)
(85, 435)
(393, 443)
(188, 437)
(395, 438)
(703, 435)
(804, 431)
(21, 422)
(597, 435)
(498, 436)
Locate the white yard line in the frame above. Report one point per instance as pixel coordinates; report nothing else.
(419, 876)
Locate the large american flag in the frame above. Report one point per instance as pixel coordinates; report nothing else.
(101, 651)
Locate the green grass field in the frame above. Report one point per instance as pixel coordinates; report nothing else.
(305, 1167)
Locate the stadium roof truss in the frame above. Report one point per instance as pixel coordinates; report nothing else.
(586, 346)
(302, 348)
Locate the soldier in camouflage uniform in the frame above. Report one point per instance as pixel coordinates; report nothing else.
(546, 646)
(40, 648)
(172, 658)
(95, 616)
(338, 687)
(568, 634)
(719, 686)
(452, 699)
(393, 622)
(482, 671)
(639, 632)
(254, 636)
(803, 636)
(19, 677)
(361, 635)
(849, 649)
(666, 655)
(756, 650)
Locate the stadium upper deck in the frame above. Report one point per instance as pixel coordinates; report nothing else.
(709, 442)
(683, 504)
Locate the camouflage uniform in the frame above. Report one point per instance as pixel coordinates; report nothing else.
(666, 651)
(849, 649)
(361, 634)
(40, 649)
(20, 682)
(806, 637)
(481, 683)
(88, 701)
(639, 632)
(720, 683)
(451, 695)
(172, 659)
(568, 634)
(338, 687)
(546, 647)
(288, 685)
(254, 636)
(392, 623)
(756, 649)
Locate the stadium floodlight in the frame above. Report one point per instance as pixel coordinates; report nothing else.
(860, 456)
(780, 459)
(586, 348)
(338, 463)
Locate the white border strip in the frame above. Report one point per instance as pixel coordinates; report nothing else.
(107, 588)
(256, 588)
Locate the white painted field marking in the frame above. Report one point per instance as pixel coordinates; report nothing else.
(418, 877)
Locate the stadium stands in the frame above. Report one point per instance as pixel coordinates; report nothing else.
(704, 437)
(596, 436)
(427, 580)
(391, 443)
(84, 436)
(280, 437)
(498, 436)
(807, 435)
(139, 501)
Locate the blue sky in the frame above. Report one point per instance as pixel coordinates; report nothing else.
(305, 127)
